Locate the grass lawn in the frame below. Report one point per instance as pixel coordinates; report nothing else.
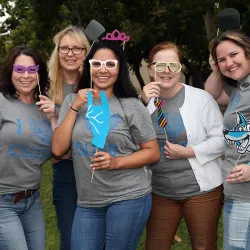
(50, 219)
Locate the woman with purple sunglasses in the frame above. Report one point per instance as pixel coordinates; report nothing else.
(27, 120)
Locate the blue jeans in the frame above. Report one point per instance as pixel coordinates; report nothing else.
(21, 224)
(64, 199)
(236, 220)
(117, 226)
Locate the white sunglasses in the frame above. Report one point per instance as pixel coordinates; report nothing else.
(97, 64)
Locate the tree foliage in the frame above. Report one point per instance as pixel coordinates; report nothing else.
(188, 23)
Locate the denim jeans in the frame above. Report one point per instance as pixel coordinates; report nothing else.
(117, 226)
(21, 224)
(64, 199)
(236, 220)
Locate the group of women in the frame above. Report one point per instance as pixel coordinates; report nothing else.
(147, 175)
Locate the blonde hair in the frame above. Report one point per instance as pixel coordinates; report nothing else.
(55, 73)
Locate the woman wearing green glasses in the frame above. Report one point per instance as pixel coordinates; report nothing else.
(187, 179)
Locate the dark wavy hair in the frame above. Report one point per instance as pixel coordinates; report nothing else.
(7, 87)
(235, 37)
(123, 87)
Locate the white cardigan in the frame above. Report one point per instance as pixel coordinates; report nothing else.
(203, 122)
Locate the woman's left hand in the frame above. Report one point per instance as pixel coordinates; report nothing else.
(103, 161)
(240, 173)
(175, 151)
(47, 106)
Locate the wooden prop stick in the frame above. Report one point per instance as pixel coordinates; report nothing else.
(91, 83)
(93, 171)
(166, 133)
(237, 161)
(38, 83)
(90, 48)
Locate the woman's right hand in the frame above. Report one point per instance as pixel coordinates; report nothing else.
(81, 98)
(213, 65)
(152, 89)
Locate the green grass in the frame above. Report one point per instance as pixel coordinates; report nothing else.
(52, 234)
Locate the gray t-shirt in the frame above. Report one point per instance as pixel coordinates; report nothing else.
(67, 89)
(236, 134)
(25, 144)
(130, 124)
(173, 179)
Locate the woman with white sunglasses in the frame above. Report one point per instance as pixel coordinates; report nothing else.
(113, 204)
(187, 180)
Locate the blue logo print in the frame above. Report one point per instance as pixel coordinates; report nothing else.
(174, 127)
(40, 129)
(239, 135)
(234, 102)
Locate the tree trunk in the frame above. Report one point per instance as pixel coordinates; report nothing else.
(139, 77)
(208, 19)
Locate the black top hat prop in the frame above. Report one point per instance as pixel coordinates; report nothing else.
(228, 19)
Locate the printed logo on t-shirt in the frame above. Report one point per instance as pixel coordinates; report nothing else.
(87, 148)
(240, 134)
(174, 128)
(235, 99)
(40, 129)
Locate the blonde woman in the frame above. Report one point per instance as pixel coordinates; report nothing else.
(71, 46)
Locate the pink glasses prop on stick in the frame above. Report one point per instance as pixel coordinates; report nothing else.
(32, 69)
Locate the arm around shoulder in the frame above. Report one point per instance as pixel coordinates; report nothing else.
(214, 86)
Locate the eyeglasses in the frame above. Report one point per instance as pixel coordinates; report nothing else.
(20, 69)
(172, 66)
(97, 64)
(75, 50)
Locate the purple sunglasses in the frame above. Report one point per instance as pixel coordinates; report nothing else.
(30, 69)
